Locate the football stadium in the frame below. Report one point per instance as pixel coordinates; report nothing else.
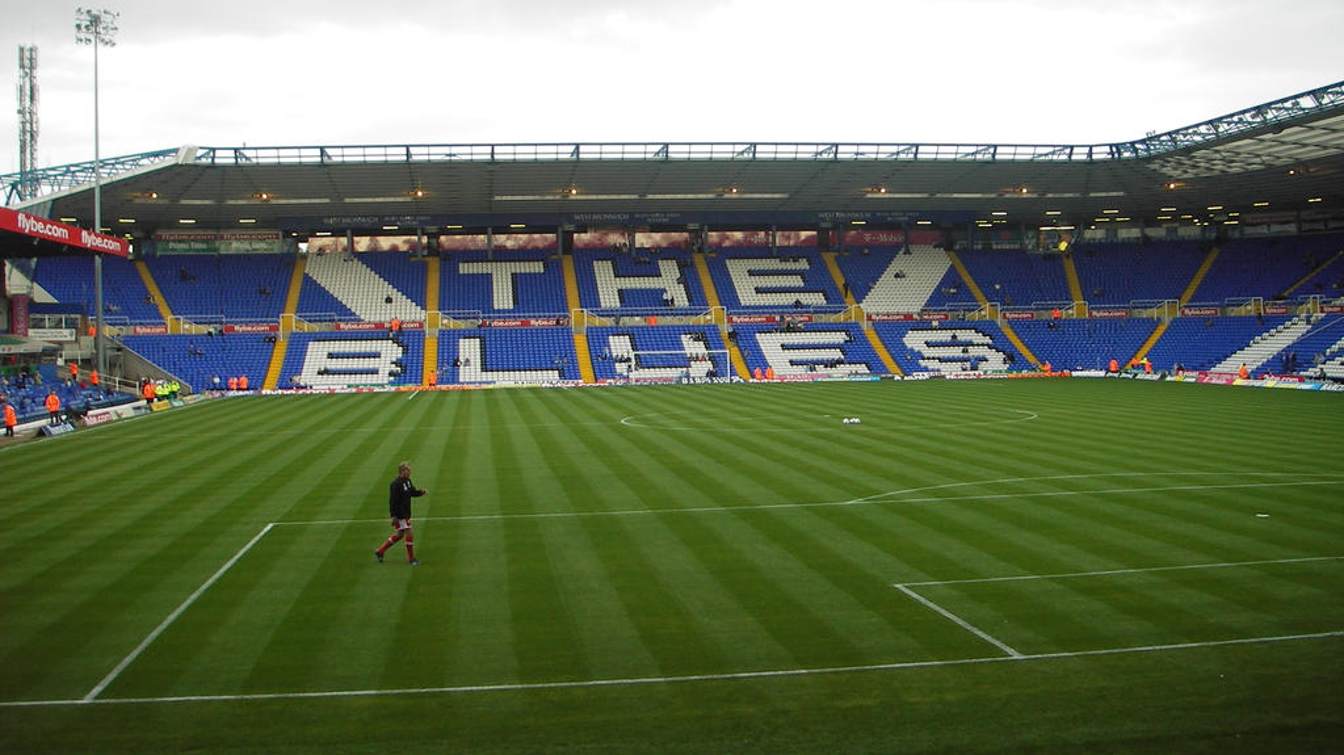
(723, 446)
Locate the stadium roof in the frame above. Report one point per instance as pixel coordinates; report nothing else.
(1278, 158)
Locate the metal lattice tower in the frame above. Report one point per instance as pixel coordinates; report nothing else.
(28, 120)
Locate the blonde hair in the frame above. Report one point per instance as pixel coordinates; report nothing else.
(403, 465)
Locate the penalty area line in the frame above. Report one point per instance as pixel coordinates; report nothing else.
(97, 690)
(654, 680)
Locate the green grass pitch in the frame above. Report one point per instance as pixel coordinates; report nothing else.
(986, 566)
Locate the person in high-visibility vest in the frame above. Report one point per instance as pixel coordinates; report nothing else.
(147, 392)
(769, 373)
(1115, 365)
(53, 408)
(11, 419)
(396, 324)
(1047, 368)
(233, 383)
(161, 391)
(74, 371)
(758, 374)
(242, 382)
(1147, 366)
(94, 379)
(432, 379)
(1243, 372)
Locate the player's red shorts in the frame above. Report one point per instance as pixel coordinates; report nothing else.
(401, 524)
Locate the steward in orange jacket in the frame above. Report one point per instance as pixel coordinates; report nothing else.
(53, 403)
(11, 419)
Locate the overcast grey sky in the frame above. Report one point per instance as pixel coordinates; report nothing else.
(267, 72)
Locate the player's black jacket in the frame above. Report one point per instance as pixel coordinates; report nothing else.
(399, 498)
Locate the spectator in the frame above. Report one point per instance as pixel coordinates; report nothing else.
(53, 404)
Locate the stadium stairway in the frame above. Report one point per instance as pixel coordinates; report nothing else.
(272, 379)
(1071, 274)
(431, 320)
(1007, 328)
(712, 297)
(160, 300)
(879, 348)
(1287, 292)
(581, 353)
(1186, 295)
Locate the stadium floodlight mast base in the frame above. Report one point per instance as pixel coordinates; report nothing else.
(99, 29)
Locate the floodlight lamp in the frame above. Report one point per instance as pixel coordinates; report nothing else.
(264, 196)
(418, 193)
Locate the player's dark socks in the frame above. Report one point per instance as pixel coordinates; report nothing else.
(378, 555)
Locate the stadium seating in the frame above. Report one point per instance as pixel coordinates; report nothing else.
(1333, 360)
(507, 355)
(1322, 339)
(27, 394)
(513, 283)
(1254, 267)
(335, 358)
(218, 288)
(629, 353)
(620, 282)
(886, 280)
(1015, 278)
(1107, 272)
(194, 360)
(949, 347)
(751, 279)
(522, 283)
(348, 287)
(1084, 344)
(70, 279)
(1277, 334)
(838, 348)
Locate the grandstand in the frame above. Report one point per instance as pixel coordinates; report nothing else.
(623, 540)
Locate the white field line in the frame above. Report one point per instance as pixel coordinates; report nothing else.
(873, 499)
(115, 672)
(1026, 577)
(652, 680)
(632, 421)
(92, 696)
(413, 395)
(955, 619)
